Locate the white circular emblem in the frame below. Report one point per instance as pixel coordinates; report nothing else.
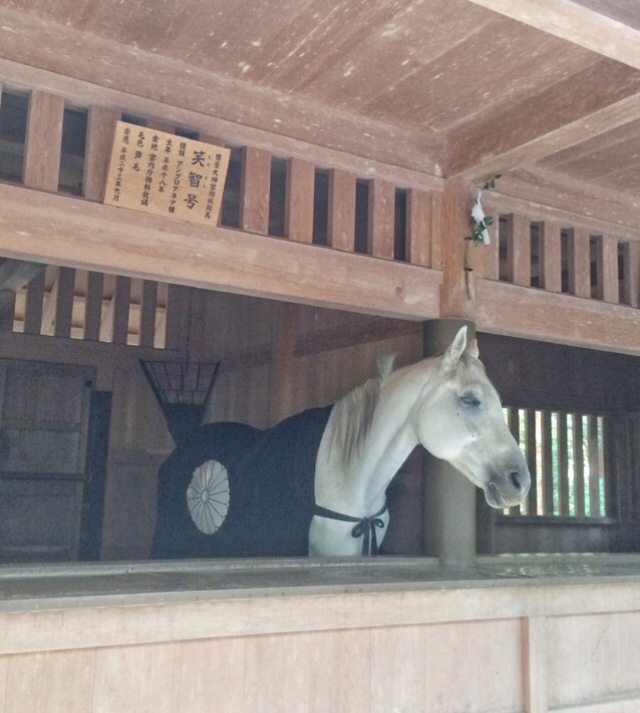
(208, 496)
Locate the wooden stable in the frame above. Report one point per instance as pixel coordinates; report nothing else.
(360, 134)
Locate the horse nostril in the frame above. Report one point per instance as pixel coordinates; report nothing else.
(514, 477)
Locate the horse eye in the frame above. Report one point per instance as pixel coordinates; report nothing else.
(470, 399)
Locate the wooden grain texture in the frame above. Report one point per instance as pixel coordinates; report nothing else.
(48, 681)
(380, 225)
(596, 28)
(419, 227)
(341, 210)
(298, 206)
(536, 314)
(255, 186)
(101, 126)
(482, 149)
(43, 141)
(551, 257)
(94, 236)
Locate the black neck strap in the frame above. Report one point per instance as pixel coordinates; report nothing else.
(364, 526)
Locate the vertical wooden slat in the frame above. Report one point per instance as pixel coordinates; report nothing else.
(381, 226)
(101, 124)
(594, 466)
(148, 313)
(341, 225)
(419, 225)
(580, 263)
(121, 298)
(255, 188)
(551, 254)
(547, 464)
(436, 231)
(282, 397)
(177, 302)
(299, 201)
(609, 272)
(50, 302)
(93, 306)
(489, 266)
(64, 302)
(519, 249)
(514, 427)
(563, 463)
(578, 463)
(33, 306)
(531, 449)
(43, 141)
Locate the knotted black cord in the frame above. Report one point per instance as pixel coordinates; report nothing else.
(365, 526)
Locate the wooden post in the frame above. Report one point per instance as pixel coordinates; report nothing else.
(551, 257)
(100, 130)
(450, 499)
(519, 250)
(580, 263)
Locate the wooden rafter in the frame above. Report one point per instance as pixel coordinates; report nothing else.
(603, 28)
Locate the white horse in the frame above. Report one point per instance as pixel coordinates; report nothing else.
(448, 405)
(316, 482)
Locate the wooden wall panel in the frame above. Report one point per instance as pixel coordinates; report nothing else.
(50, 681)
(43, 141)
(381, 226)
(255, 187)
(342, 210)
(299, 201)
(589, 658)
(136, 678)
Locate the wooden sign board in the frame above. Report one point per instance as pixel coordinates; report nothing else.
(165, 174)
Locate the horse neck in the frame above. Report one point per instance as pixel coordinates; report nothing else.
(392, 436)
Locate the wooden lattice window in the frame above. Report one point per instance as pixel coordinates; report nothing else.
(566, 454)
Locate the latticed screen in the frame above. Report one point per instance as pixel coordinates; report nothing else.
(565, 453)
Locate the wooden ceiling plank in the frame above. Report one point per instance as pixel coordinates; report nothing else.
(487, 147)
(66, 53)
(594, 30)
(63, 230)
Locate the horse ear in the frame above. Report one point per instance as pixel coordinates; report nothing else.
(456, 349)
(472, 349)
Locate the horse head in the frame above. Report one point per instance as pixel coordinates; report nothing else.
(459, 418)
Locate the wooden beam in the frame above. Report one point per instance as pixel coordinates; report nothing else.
(43, 142)
(63, 230)
(596, 30)
(485, 147)
(564, 319)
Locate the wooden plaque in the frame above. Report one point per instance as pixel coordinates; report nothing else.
(165, 174)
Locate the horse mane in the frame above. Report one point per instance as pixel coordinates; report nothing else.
(353, 415)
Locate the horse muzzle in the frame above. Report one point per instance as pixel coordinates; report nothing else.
(508, 487)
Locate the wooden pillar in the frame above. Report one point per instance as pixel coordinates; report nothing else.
(450, 499)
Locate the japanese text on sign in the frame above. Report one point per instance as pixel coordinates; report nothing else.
(161, 173)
